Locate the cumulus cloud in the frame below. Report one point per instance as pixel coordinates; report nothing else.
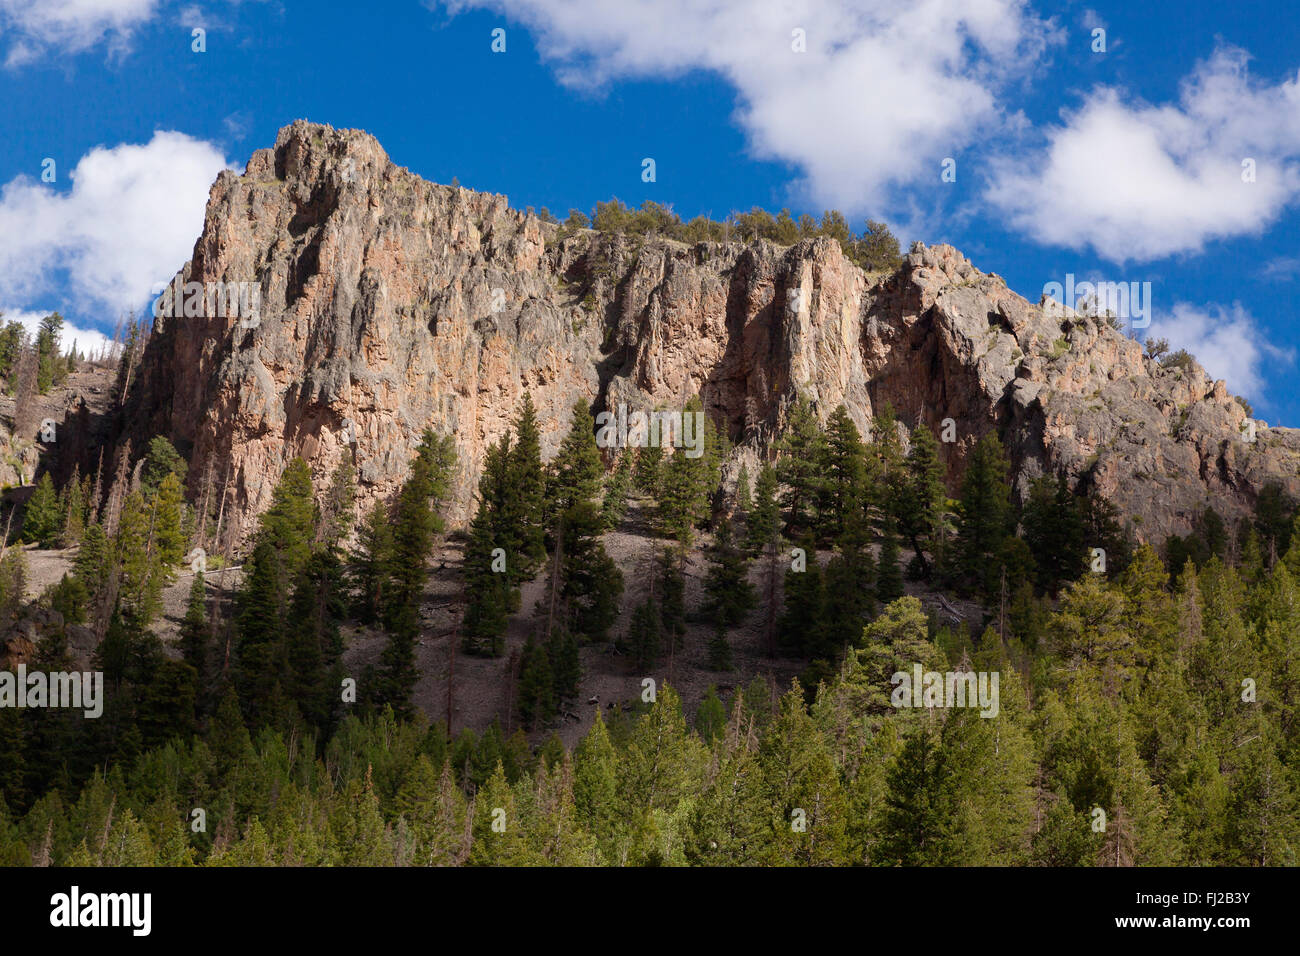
(87, 341)
(884, 92)
(1226, 340)
(128, 223)
(33, 27)
(1137, 181)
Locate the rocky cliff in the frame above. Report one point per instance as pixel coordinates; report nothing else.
(388, 304)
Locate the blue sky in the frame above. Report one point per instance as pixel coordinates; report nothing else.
(1122, 165)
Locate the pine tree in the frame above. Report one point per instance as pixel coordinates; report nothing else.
(161, 460)
(1054, 532)
(591, 582)
(73, 505)
(744, 496)
(803, 787)
(314, 644)
(799, 467)
(536, 685)
(984, 515)
(719, 650)
(842, 492)
(51, 369)
(416, 523)
(683, 497)
(1102, 529)
(168, 516)
(648, 470)
(336, 510)
(922, 498)
(371, 562)
(711, 716)
(43, 519)
(889, 575)
(528, 482)
(799, 631)
(488, 598)
(596, 790)
(282, 546)
(643, 635)
(566, 666)
(137, 559)
(672, 599)
(849, 577)
(761, 523)
(93, 563)
(729, 597)
(577, 469)
(616, 491)
(493, 544)
(13, 584)
(194, 630)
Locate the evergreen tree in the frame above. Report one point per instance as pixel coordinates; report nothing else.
(761, 522)
(984, 514)
(43, 519)
(616, 491)
(73, 505)
(799, 632)
(1054, 532)
(336, 510)
(889, 575)
(577, 470)
(168, 518)
(683, 499)
(719, 650)
(921, 498)
(195, 637)
(672, 599)
(596, 791)
(13, 584)
(729, 597)
(51, 368)
(591, 582)
(848, 586)
(93, 563)
(138, 562)
(566, 667)
(371, 562)
(493, 544)
(744, 496)
(799, 467)
(281, 548)
(536, 685)
(643, 635)
(527, 481)
(314, 644)
(161, 459)
(841, 496)
(648, 470)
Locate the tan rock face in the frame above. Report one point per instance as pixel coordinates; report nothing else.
(390, 304)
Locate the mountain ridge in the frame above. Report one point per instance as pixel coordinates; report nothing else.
(390, 304)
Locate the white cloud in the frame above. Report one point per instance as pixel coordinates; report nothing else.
(1282, 269)
(1226, 340)
(883, 94)
(128, 222)
(69, 26)
(1137, 182)
(88, 341)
